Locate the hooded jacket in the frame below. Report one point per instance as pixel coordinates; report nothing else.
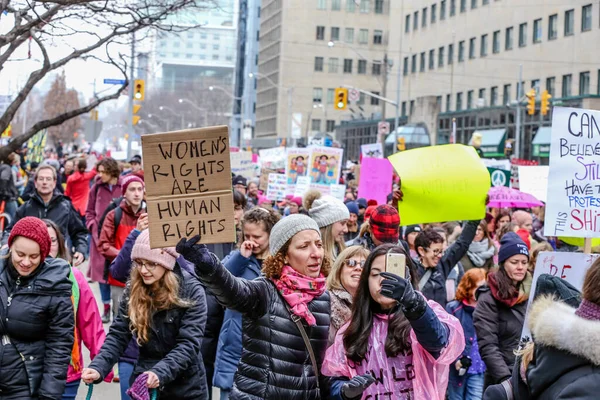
(78, 189)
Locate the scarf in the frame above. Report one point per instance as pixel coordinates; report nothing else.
(588, 310)
(480, 252)
(298, 290)
(524, 289)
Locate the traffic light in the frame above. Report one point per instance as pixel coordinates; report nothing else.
(135, 118)
(341, 98)
(94, 115)
(401, 143)
(531, 102)
(139, 87)
(545, 106)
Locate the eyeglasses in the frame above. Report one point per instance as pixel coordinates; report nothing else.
(353, 263)
(149, 266)
(437, 252)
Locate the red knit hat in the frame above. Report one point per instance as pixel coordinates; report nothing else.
(369, 211)
(385, 224)
(35, 229)
(128, 180)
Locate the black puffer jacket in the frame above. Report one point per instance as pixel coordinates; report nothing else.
(38, 320)
(173, 348)
(275, 363)
(60, 211)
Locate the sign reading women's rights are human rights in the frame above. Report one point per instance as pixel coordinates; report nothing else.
(573, 207)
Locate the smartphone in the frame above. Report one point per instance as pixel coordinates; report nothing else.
(144, 206)
(396, 264)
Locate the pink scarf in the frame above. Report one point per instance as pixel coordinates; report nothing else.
(298, 290)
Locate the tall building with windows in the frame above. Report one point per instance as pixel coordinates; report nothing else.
(309, 48)
(461, 59)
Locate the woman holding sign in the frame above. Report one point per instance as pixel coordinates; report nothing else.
(396, 344)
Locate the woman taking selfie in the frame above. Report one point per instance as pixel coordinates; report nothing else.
(396, 342)
(285, 312)
(164, 308)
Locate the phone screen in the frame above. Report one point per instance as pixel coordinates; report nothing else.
(396, 264)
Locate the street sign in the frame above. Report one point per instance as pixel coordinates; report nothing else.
(353, 95)
(383, 128)
(114, 81)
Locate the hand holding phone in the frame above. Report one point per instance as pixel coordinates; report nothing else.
(395, 263)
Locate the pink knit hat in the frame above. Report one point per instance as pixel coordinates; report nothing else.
(165, 257)
(128, 180)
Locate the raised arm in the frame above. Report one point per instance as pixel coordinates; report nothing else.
(459, 248)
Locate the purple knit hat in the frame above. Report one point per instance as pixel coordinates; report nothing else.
(139, 390)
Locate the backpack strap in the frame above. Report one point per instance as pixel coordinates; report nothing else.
(425, 278)
(118, 216)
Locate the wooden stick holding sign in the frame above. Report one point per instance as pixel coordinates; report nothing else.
(188, 186)
(587, 246)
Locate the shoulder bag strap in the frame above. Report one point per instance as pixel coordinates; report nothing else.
(425, 278)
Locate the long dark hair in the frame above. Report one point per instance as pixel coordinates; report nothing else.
(356, 337)
(507, 290)
(62, 248)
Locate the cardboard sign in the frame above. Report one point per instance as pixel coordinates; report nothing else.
(297, 164)
(325, 165)
(376, 182)
(574, 190)
(188, 186)
(534, 181)
(441, 183)
(263, 182)
(277, 187)
(241, 164)
(374, 150)
(571, 267)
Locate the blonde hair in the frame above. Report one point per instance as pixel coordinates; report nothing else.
(332, 246)
(334, 280)
(145, 300)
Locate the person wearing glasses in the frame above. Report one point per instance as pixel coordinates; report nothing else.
(342, 284)
(434, 264)
(164, 309)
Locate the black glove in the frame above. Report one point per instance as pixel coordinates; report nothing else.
(357, 385)
(204, 261)
(401, 290)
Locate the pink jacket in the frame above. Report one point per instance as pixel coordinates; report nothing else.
(429, 376)
(89, 325)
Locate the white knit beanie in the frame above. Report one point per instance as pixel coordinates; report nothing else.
(287, 227)
(328, 210)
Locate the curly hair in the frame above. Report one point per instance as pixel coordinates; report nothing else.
(468, 283)
(111, 166)
(273, 264)
(261, 216)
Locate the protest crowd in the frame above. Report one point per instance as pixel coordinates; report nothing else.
(330, 287)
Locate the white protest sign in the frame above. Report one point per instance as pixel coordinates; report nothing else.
(374, 150)
(273, 158)
(276, 187)
(534, 180)
(241, 164)
(302, 186)
(338, 191)
(571, 267)
(574, 190)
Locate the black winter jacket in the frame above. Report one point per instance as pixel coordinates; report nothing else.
(275, 362)
(60, 211)
(173, 348)
(498, 328)
(38, 319)
(435, 288)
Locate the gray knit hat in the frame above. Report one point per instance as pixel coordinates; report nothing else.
(287, 227)
(328, 210)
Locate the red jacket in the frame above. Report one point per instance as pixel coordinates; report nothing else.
(78, 189)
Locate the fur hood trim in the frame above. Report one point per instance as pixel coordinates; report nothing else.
(554, 324)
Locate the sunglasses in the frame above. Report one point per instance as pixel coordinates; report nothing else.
(354, 263)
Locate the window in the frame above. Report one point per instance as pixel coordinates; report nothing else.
(433, 13)
(412, 107)
(415, 20)
(404, 109)
(535, 83)
(551, 85)
(336, 5)
(350, 6)
(424, 18)
(321, 4)
(496, 44)
(494, 96)
(481, 94)
(461, 51)
(431, 59)
(319, 64)
(377, 37)
(347, 65)
(473, 4)
(376, 68)
(335, 34)
(523, 34)
(405, 66)
(176, 44)
(349, 35)
(472, 48)
(320, 33)
(448, 101)
(315, 124)
(463, 6)
(333, 65)
(378, 6)
(450, 53)
(189, 55)
(584, 83)
(413, 67)
(362, 66)
(459, 97)
(215, 57)
(363, 36)
(469, 99)
(203, 46)
(441, 57)
(485, 2)
(537, 31)
(566, 85)
(508, 40)
(407, 23)
(330, 95)
(361, 99)
(483, 46)
(215, 47)
(553, 27)
(452, 8)
(443, 10)
(374, 100)
(216, 36)
(586, 18)
(422, 68)
(317, 95)
(506, 94)
(189, 45)
(364, 6)
(569, 22)
(330, 125)
(203, 36)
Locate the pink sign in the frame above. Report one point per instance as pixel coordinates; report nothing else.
(375, 179)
